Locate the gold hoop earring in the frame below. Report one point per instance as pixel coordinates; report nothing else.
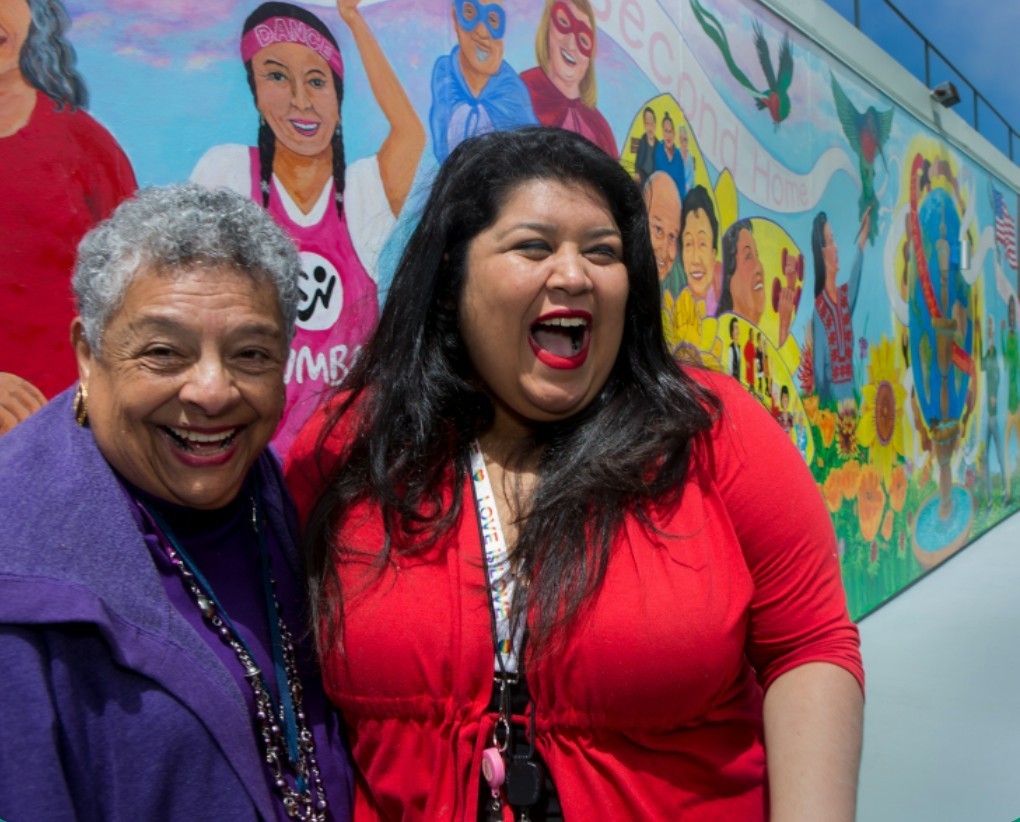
(81, 405)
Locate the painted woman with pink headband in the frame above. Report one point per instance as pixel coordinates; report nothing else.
(338, 215)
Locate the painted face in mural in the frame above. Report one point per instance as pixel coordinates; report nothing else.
(747, 285)
(682, 141)
(698, 253)
(571, 43)
(663, 202)
(480, 30)
(15, 19)
(668, 135)
(542, 308)
(294, 92)
(649, 125)
(188, 387)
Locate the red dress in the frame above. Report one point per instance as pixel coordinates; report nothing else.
(653, 707)
(59, 175)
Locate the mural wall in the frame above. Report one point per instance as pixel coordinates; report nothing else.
(854, 271)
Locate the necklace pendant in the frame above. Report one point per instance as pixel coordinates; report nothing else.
(206, 606)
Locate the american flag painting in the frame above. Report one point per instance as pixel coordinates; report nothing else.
(1005, 228)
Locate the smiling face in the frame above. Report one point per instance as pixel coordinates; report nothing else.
(747, 286)
(663, 202)
(542, 307)
(188, 387)
(649, 125)
(15, 20)
(481, 52)
(698, 246)
(295, 93)
(571, 43)
(668, 134)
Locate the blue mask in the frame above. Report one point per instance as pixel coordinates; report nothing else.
(491, 15)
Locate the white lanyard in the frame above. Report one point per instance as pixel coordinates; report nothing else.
(497, 564)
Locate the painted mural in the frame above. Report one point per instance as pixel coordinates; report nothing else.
(852, 270)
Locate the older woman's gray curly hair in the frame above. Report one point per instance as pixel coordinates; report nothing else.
(47, 58)
(178, 228)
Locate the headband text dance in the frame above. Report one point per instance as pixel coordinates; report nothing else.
(289, 30)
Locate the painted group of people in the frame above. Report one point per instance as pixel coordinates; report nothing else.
(475, 91)
(515, 494)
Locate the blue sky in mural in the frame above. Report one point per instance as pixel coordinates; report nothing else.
(980, 40)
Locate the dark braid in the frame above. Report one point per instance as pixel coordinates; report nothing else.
(267, 151)
(339, 161)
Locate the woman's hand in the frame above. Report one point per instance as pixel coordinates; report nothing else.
(402, 149)
(348, 10)
(19, 400)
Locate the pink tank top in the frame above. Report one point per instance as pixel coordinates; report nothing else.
(338, 308)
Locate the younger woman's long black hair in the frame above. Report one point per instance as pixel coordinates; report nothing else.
(267, 140)
(415, 406)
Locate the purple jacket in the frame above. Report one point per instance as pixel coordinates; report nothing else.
(114, 707)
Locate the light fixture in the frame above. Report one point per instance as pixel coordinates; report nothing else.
(946, 94)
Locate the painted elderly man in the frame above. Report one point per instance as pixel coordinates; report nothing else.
(662, 199)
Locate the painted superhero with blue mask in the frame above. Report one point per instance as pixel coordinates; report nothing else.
(491, 15)
(474, 90)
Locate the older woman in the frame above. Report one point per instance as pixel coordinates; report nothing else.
(552, 570)
(562, 86)
(339, 214)
(150, 606)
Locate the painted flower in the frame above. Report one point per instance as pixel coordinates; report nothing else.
(887, 526)
(897, 487)
(870, 502)
(881, 424)
(811, 408)
(690, 336)
(851, 478)
(826, 423)
(832, 490)
(846, 432)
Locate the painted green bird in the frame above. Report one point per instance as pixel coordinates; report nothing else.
(776, 98)
(867, 133)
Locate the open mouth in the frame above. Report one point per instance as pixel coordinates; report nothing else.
(481, 55)
(561, 340)
(568, 58)
(305, 127)
(696, 273)
(198, 444)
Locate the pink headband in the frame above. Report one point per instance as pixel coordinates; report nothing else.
(289, 30)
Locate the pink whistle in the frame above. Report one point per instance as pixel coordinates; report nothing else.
(492, 768)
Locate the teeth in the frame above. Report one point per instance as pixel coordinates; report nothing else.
(308, 128)
(194, 436)
(481, 54)
(566, 322)
(568, 58)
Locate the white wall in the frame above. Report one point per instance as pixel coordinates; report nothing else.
(942, 717)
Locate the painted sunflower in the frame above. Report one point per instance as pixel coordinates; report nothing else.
(690, 336)
(880, 428)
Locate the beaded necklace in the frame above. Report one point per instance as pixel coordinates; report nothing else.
(287, 740)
